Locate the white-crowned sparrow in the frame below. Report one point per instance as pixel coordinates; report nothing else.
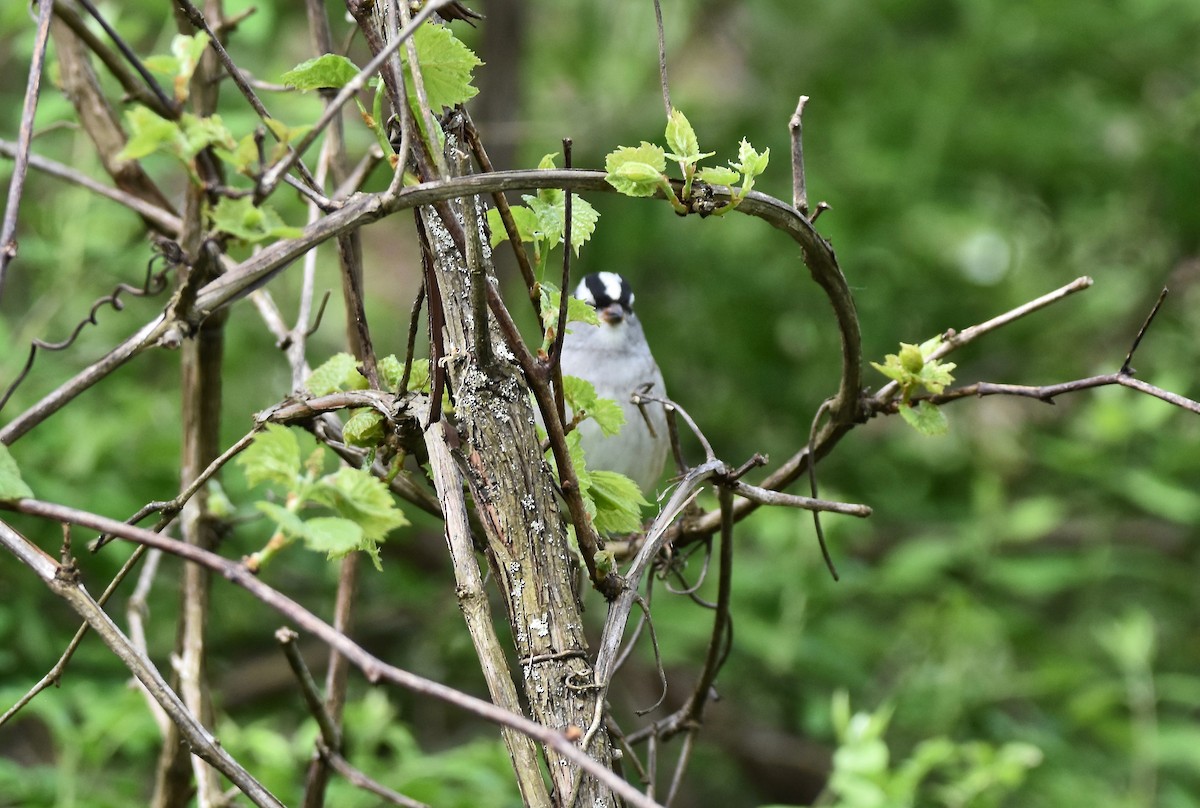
(615, 357)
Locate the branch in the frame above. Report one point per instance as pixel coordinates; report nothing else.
(67, 586)
(33, 85)
(372, 667)
(163, 220)
(473, 601)
(273, 175)
(799, 185)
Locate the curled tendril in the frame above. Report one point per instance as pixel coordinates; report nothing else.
(167, 251)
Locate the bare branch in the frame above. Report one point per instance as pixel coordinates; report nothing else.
(372, 667)
(33, 86)
(201, 741)
(799, 185)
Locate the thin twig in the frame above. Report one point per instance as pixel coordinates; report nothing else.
(1127, 365)
(273, 175)
(373, 668)
(167, 222)
(331, 733)
(16, 185)
(165, 105)
(799, 185)
(560, 333)
(200, 740)
(501, 203)
(662, 58)
(357, 778)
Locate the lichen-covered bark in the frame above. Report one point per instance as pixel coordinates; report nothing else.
(526, 536)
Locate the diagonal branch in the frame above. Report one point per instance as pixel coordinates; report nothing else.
(68, 587)
(372, 667)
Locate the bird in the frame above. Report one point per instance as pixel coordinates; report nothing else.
(615, 357)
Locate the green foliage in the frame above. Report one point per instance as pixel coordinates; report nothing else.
(940, 772)
(329, 71)
(150, 133)
(365, 510)
(11, 484)
(577, 311)
(182, 63)
(541, 221)
(244, 220)
(913, 370)
(447, 66)
(580, 395)
(339, 372)
(638, 171)
(613, 501)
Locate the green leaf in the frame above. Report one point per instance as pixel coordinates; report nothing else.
(912, 368)
(364, 428)
(11, 485)
(549, 207)
(357, 495)
(339, 372)
(618, 501)
(606, 561)
(329, 71)
(148, 133)
(243, 158)
(580, 396)
(925, 418)
(181, 64)
(391, 369)
(681, 138)
(418, 378)
(577, 311)
(910, 358)
(287, 521)
(446, 66)
(719, 175)
(201, 132)
(273, 456)
(524, 218)
(750, 162)
(336, 537)
(636, 171)
(241, 219)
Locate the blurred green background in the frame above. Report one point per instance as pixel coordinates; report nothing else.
(1031, 578)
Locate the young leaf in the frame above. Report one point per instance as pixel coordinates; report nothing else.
(681, 137)
(636, 171)
(618, 500)
(148, 133)
(330, 71)
(418, 379)
(719, 175)
(925, 418)
(525, 219)
(11, 484)
(287, 521)
(358, 496)
(364, 428)
(391, 370)
(273, 456)
(337, 537)
(243, 158)
(446, 66)
(339, 372)
(201, 132)
(751, 164)
(580, 395)
(241, 219)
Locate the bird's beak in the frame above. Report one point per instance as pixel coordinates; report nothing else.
(611, 314)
